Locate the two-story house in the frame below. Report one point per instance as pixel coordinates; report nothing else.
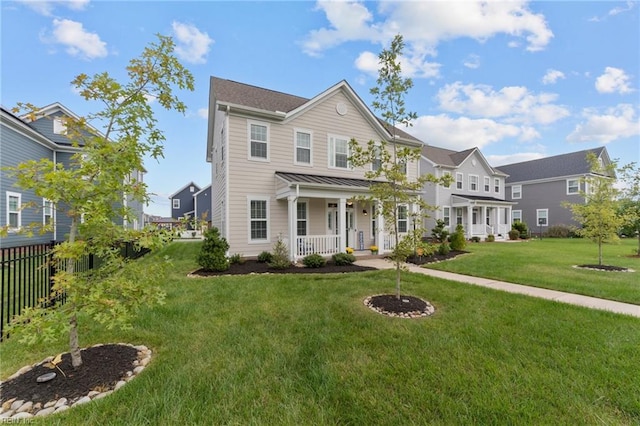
(280, 169)
(43, 137)
(191, 202)
(540, 187)
(476, 197)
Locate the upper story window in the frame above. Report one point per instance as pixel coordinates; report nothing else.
(258, 141)
(303, 147)
(402, 163)
(14, 210)
(176, 203)
(459, 181)
(496, 185)
(59, 126)
(516, 192)
(338, 152)
(47, 211)
(376, 163)
(573, 186)
(487, 184)
(473, 183)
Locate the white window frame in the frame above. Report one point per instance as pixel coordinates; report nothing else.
(175, 203)
(487, 184)
(459, 181)
(473, 178)
(446, 216)
(296, 161)
(515, 213)
(405, 219)
(47, 211)
(569, 186)
(516, 189)
(331, 149)
(266, 199)
(251, 123)
(59, 126)
(17, 211)
(545, 216)
(306, 216)
(496, 185)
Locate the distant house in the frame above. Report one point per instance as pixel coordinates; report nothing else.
(182, 201)
(22, 139)
(540, 187)
(475, 199)
(202, 204)
(280, 169)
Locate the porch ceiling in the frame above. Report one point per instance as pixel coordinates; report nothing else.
(479, 200)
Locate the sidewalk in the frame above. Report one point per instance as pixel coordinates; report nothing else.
(559, 296)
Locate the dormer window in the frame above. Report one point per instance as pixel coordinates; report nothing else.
(59, 126)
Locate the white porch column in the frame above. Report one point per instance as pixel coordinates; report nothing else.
(508, 218)
(483, 218)
(342, 224)
(292, 204)
(469, 220)
(380, 225)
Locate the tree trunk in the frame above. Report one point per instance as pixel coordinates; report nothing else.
(600, 252)
(76, 357)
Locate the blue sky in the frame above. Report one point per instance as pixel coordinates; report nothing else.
(520, 80)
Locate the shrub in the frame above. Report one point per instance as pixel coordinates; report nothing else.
(490, 238)
(457, 240)
(514, 234)
(559, 231)
(280, 257)
(475, 239)
(439, 233)
(444, 249)
(213, 253)
(236, 259)
(343, 259)
(522, 228)
(313, 260)
(265, 257)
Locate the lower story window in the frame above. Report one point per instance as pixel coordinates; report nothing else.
(402, 219)
(14, 210)
(542, 217)
(446, 215)
(302, 219)
(516, 216)
(47, 211)
(459, 216)
(258, 220)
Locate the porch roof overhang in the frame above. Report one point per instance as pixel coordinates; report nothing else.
(478, 200)
(307, 185)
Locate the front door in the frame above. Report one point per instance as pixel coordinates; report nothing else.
(333, 224)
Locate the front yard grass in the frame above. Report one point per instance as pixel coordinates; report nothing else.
(304, 350)
(548, 263)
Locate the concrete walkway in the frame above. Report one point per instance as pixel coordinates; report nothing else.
(559, 296)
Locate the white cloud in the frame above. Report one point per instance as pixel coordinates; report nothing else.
(461, 133)
(203, 113)
(192, 45)
(617, 122)
(511, 103)
(412, 65)
(618, 10)
(427, 24)
(552, 76)
(472, 61)
(77, 40)
(46, 7)
(500, 160)
(614, 80)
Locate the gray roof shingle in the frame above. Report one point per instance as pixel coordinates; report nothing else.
(323, 180)
(571, 164)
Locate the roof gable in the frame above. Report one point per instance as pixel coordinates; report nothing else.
(453, 159)
(571, 164)
(197, 188)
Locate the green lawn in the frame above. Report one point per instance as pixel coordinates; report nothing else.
(548, 263)
(304, 350)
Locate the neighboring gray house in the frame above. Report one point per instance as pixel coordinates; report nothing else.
(183, 202)
(280, 169)
(475, 199)
(540, 187)
(23, 139)
(202, 204)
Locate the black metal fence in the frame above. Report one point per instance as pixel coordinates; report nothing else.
(27, 272)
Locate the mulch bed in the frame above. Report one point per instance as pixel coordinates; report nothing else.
(608, 268)
(102, 367)
(436, 257)
(255, 267)
(405, 306)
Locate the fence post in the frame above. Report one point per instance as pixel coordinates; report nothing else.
(52, 272)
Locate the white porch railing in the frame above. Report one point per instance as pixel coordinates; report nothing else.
(324, 245)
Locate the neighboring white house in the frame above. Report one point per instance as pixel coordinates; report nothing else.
(476, 197)
(280, 169)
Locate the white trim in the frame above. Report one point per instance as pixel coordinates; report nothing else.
(51, 214)
(296, 131)
(174, 205)
(487, 184)
(266, 199)
(331, 151)
(477, 178)
(498, 180)
(249, 140)
(460, 181)
(18, 211)
(519, 192)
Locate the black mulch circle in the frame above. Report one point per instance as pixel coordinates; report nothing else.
(609, 268)
(103, 367)
(405, 306)
(255, 267)
(435, 257)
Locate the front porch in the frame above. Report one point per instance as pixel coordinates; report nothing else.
(482, 216)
